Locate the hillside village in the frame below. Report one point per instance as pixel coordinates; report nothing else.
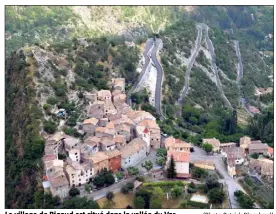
(118, 137)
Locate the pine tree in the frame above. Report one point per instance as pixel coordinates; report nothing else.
(171, 173)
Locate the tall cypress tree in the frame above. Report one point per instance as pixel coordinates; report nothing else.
(171, 172)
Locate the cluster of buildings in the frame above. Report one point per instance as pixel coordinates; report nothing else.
(116, 137)
(180, 152)
(234, 155)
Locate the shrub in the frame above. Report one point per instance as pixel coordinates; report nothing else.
(139, 202)
(120, 175)
(110, 196)
(192, 190)
(51, 100)
(74, 192)
(216, 195)
(183, 204)
(164, 183)
(50, 127)
(177, 191)
(198, 205)
(124, 190)
(140, 178)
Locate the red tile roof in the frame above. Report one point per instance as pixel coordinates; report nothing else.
(179, 156)
(270, 150)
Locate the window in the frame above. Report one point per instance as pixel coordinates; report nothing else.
(79, 179)
(76, 153)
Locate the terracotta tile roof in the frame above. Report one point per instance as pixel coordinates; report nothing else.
(270, 150)
(231, 162)
(213, 141)
(132, 147)
(92, 121)
(234, 152)
(116, 92)
(120, 139)
(123, 127)
(176, 143)
(113, 153)
(151, 124)
(49, 158)
(179, 156)
(110, 125)
(55, 138)
(107, 141)
(119, 97)
(138, 116)
(97, 157)
(92, 141)
(59, 181)
(253, 109)
(257, 146)
(123, 119)
(53, 163)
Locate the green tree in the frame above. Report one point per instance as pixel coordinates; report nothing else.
(87, 187)
(216, 195)
(198, 172)
(244, 200)
(132, 170)
(109, 179)
(139, 202)
(171, 172)
(177, 191)
(50, 127)
(80, 203)
(183, 204)
(207, 147)
(211, 182)
(254, 155)
(155, 203)
(110, 196)
(74, 192)
(99, 181)
(147, 165)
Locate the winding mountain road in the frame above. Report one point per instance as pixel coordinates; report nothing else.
(240, 66)
(145, 68)
(191, 62)
(214, 66)
(158, 91)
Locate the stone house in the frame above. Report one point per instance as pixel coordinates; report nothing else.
(120, 141)
(104, 95)
(92, 144)
(267, 168)
(235, 153)
(59, 185)
(143, 133)
(108, 131)
(54, 143)
(155, 134)
(118, 98)
(172, 144)
(181, 160)
(109, 109)
(79, 173)
(98, 160)
(257, 147)
(114, 160)
(125, 130)
(214, 142)
(70, 143)
(227, 145)
(107, 144)
(96, 110)
(139, 116)
(89, 125)
(244, 142)
(118, 84)
(133, 152)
